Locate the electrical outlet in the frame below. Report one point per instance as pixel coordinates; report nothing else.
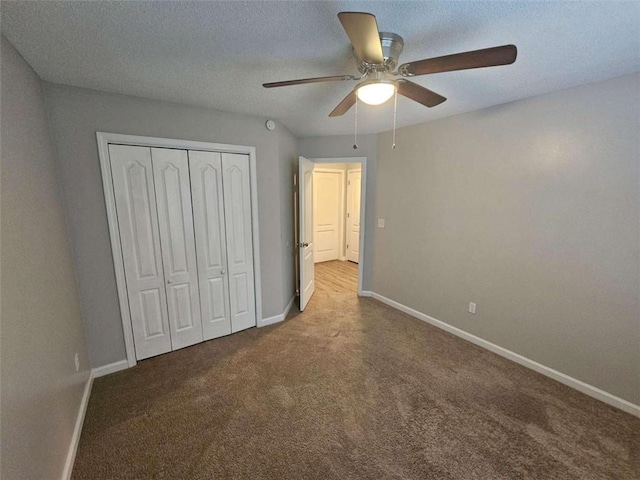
(77, 360)
(472, 307)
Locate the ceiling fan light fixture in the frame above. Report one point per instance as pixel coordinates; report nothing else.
(376, 93)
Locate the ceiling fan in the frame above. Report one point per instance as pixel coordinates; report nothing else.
(377, 54)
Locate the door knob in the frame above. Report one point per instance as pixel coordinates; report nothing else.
(223, 271)
(169, 282)
(302, 245)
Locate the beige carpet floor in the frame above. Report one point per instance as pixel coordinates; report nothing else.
(349, 389)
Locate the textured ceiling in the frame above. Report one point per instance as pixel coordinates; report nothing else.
(217, 54)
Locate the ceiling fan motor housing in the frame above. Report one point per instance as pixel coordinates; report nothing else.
(392, 45)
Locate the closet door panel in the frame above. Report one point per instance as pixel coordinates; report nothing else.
(132, 174)
(237, 201)
(175, 218)
(211, 248)
(151, 306)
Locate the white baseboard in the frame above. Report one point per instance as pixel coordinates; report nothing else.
(289, 307)
(110, 368)
(366, 293)
(77, 430)
(579, 385)
(278, 318)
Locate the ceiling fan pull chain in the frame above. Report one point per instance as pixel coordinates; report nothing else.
(355, 130)
(395, 106)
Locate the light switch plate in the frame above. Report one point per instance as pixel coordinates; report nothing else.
(381, 223)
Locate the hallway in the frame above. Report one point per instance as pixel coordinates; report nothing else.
(336, 276)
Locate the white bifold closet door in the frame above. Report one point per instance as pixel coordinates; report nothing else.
(237, 201)
(186, 236)
(140, 240)
(173, 198)
(222, 212)
(211, 242)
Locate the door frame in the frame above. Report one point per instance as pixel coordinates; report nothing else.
(363, 205)
(104, 139)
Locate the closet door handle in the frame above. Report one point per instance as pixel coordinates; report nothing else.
(223, 271)
(169, 282)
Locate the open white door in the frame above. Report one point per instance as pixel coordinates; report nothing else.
(305, 237)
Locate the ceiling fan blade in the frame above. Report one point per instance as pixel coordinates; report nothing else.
(344, 106)
(419, 94)
(362, 30)
(308, 80)
(487, 57)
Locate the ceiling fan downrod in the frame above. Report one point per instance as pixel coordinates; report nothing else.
(355, 128)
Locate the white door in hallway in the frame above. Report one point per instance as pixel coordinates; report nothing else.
(305, 236)
(211, 243)
(354, 180)
(328, 203)
(135, 200)
(173, 196)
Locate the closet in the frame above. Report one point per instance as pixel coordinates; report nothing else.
(184, 221)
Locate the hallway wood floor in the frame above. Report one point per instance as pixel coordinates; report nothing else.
(336, 276)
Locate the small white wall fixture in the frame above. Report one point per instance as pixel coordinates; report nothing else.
(104, 139)
(363, 206)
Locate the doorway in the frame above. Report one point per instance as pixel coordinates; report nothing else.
(331, 210)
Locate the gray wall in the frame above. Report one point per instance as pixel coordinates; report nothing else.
(75, 116)
(531, 210)
(41, 323)
(341, 146)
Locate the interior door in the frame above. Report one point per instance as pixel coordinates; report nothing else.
(305, 208)
(237, 208)
(211, 243)
(140, 240)
(175, 218)
(354, 179)
(328, 204)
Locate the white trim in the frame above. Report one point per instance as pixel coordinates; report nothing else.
(104, 139)
(366, 293)
(280, 317)
(363, 206)
(574, 383)
(77, 430)
(110, 368)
